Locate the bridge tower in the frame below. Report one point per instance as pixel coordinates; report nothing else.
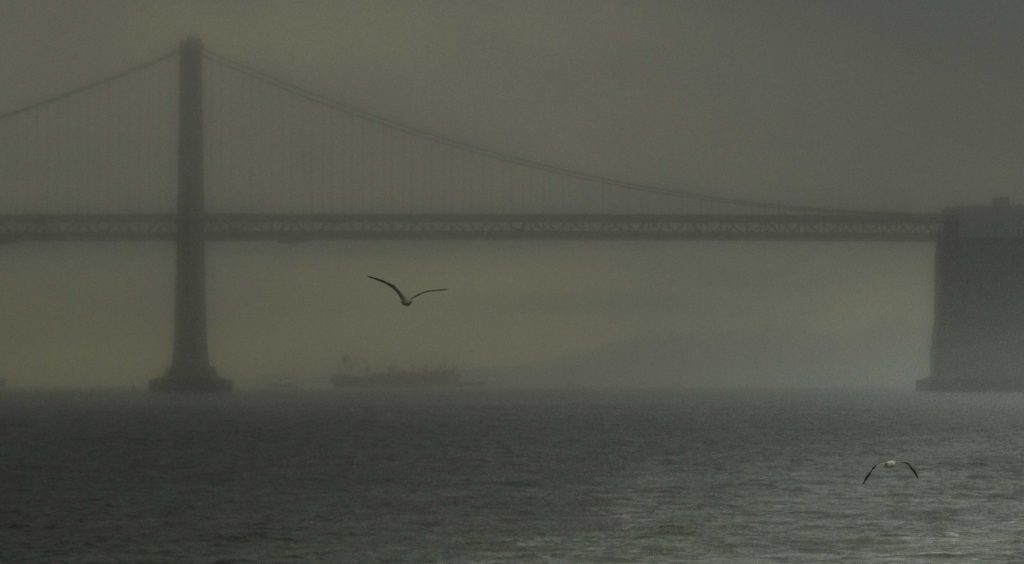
(978, 336)
(190, 369)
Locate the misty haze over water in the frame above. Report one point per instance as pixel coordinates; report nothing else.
(871, 105)
(642, 401)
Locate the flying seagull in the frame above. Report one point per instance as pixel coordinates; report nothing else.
(405, 301)
(890, 464)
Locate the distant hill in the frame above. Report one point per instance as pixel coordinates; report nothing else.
(884, 357)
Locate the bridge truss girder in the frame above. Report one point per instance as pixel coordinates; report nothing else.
(308, 227)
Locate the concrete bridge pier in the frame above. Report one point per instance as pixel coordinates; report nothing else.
(978, 336)
(190, 369)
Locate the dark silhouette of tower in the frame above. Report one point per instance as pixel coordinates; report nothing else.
(978, 338)
(190, 369)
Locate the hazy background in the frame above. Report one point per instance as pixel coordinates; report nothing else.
(903, 106)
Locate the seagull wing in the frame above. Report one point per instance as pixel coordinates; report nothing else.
(911, 468)
(870, 471)
(425, 291)
(401, 296)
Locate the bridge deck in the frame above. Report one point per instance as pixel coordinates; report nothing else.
(308, 227)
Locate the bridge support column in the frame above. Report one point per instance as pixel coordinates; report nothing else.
(978, 336)
(190, 369)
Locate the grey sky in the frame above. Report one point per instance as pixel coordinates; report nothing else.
(908, 105)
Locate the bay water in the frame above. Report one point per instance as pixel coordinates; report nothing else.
(478, 475)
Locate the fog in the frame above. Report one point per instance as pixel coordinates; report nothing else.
(870, 105)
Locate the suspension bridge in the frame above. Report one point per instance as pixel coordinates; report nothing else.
(193, 146)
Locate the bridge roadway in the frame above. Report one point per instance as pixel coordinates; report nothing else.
(367, 226)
